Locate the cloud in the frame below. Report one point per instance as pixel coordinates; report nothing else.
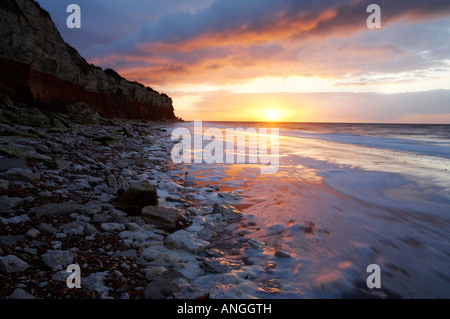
(227, 41)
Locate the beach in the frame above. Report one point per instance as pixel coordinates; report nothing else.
(345, 196)
(77, 188)
(63, 177)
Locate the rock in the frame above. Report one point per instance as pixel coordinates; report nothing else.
(32, 233)
(163, 217)
(271, 286)
(154, 272)
(58, 259)
(189, 180)
(47, 228)
(112, 181)
(185, 241)
(52, 209)
(80, 184)
(8, 203)
(31, 117)
(12, 264)
(171, 198)
(90, 230)
(56, 164)
(21, 174)
(31, 251)
(160, 288)
(130, 253)
(18, 219)
(230, 196)
(17, 152)
(4, 185)
(8, 163)
(214, 187)
(133, 226)
(100, 218)
(227, 210)
(19, 293)
(74, 228)
(138, 196)
(112, 227)
(275, 229)
(61, 276)
(95, 282)
(214, 253)
(282, 254)
(220, 265)
(106, 140)
(309, 228)
(255, 244)
(56, 123)
(11, 240)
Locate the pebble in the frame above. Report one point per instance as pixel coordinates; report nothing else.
(111, 227)
(64, 209)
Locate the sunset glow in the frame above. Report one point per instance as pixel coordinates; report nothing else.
(273, 115)
(222, 59)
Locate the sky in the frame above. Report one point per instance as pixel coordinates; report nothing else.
(275, 60)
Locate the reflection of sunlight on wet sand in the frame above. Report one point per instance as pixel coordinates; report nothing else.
(335, 208)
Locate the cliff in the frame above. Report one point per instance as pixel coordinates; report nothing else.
(38, 67)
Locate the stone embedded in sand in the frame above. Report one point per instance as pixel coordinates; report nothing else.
(138, 196)
(163, 217)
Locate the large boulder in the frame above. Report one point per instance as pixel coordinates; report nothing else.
(138, 196)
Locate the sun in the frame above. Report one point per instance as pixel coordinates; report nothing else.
(272, 115)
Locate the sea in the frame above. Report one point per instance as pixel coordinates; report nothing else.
(338, 199)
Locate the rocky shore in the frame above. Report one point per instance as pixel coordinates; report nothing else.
(77, 188)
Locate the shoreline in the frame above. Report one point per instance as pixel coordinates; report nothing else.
(62, 177)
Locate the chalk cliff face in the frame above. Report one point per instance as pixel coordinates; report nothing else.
(38, 67)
